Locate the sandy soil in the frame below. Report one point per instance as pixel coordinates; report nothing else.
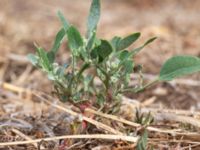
(175, 22)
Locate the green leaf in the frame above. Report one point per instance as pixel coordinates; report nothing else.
(60, 35)
(178, 66)
(77, 97)
(93, 53)
(82, 69)
(125, 61)
(91, 41)
(115, 41)
(128, 66)
(124, 55)
(105, 49)
(83, 54)
(75, 40)
(142, 143)
(65, 23)
(33, 59)
(97, 42)
(51, 56)
(135, 51)
(44, 58)
(93, 17)
(127, 41)
(100, 99)
(87, 83)
(102, 51)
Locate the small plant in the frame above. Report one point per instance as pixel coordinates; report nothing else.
(143, 141)
(93, 58)
(110, 62)
(145, 120)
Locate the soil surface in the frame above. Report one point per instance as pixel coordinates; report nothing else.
(175, 22)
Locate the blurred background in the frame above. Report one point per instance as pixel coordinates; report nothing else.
(176, 23)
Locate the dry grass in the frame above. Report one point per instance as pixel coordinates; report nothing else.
(30, 118)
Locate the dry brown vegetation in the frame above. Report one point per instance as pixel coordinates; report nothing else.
(28, 111)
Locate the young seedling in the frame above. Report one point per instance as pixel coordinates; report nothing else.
(93, 58)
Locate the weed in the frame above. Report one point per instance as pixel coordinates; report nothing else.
(142, 119)
(142, 142)
(145, 120)
(109, 61)
(94, 58)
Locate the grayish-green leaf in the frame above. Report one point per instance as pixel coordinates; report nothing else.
(115, 41)
(135, 51)
(124, 55)
(44, 58)
(87, 82)
(128, 66)
(60, 35)
(83, 54)
(93, 17)
(97, 42)
(51, 77)
(65, 23)
(83, 68)
(100, 99)
(142, 143)
(75, 40)
(178, 66)
(127, 41)
(91, 41)
(33, 59)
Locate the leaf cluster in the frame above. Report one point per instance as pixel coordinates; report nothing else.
(110, 61)
(92, 58)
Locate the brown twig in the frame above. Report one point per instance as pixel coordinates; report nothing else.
(89, 120)
(119, 119)
(174, 117)
(23, 136)
(91, 136)
(92, 121)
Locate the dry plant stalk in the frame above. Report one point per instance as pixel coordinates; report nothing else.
(91, 136)
(17, 89)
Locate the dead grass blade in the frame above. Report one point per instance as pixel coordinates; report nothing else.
(92, 121)
(119, 119)
(166, 115)
(178, 118)
(91, 136)
(24, 136)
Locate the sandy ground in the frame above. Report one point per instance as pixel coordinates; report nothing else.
(175, 22)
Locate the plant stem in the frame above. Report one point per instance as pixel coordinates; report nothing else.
(146, 86)
(73, 64)
(129, 89)
(82, 69)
